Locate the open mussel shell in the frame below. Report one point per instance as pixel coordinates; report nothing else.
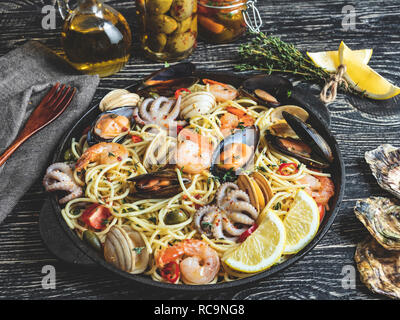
(381, 216)
(158, 184)
(180, 75)
(266, 90)
(94, 138)
(168, 88)
(379, 268)
(384, 162)
(309, 136)
(249, 136)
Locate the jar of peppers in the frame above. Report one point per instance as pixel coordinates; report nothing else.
(222, 21)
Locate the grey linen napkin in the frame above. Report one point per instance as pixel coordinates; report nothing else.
(26, 75)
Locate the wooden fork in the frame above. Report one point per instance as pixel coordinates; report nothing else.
(51, 106)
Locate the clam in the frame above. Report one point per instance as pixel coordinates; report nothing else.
(258, 189)
(118, 98)
(381, 216)
(196, 103)
(236, 152)
(111, 124)
(379, 268)
(384, 162)
(310, 148)
(266, 89)
(126, 249)
(159, 184)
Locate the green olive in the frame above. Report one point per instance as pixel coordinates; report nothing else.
(157, 42)
(181, 42)
(175, 217)
(92, 239)
(184, 25)
(162, 23)
(158, 6)
(68, 155)
(183, 9)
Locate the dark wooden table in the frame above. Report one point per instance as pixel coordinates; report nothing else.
(358, 127)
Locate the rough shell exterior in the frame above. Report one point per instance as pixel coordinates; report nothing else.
(381, 216)
(384, 162)
(379, 268)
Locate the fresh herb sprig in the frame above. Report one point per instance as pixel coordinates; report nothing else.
(271, 54)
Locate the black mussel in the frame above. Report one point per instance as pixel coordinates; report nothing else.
(111, 124)
(167, 88)
(235, 153)
(310, 136)
(297, 149)
(159, 184)
(267, 90)
(165, 76)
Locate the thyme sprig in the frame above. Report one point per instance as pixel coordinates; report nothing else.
(271, 54)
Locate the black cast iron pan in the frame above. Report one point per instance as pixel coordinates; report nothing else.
(67, 246)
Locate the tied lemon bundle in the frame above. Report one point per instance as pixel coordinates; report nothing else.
(345, 69)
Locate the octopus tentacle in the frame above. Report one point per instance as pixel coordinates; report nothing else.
(230, 228)
(243, 207)
(241, 218)
(234, 196)
(223, 190)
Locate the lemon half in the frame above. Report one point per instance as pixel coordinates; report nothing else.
(363, 78)
(301, 222)
(261, 249)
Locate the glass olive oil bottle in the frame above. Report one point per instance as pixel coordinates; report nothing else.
(96, 38)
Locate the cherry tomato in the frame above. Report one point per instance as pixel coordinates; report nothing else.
(96, 216)
(179, 91)
(321, 209)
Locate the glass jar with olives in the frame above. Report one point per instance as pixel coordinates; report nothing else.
(168, 28)
(223, 21)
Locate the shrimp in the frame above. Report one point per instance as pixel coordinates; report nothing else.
(233, 118)
(194, 152)
(319, 187)
(221, 91)
(198, 262)
(102, 153)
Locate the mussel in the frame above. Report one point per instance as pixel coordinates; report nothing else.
(158, 184)
(310, 148)
(111, 124)
(166, 81)
(236, 152)
(266, 89)
(279, 125)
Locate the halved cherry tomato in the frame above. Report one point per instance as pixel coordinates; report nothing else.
(171, 272)
(178, 129)
(179, 91)
(136, 139)
(285, 165)
(96, 216)
(321, 209)
(248, 232)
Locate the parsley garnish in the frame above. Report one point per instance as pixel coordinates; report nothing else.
(278, 206)
(104, 222)
(110, 154)
(241, 126)
(138, 250)
(206, 225)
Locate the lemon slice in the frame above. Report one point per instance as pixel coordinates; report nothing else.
(301, 222)
(261, 249)
(329, 60)
(363, 78)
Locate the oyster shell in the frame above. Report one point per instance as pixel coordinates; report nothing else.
(379, 268)
(381, 216)
(384, 162)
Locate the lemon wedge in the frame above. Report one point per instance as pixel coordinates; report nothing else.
(363, 78)
(261, 249)
(329, 60)
(301, 222)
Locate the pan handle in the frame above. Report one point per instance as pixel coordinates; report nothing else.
(58, 242)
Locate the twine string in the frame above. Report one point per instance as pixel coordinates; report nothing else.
(329, 92)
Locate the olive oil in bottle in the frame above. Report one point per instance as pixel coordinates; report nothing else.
(96, 38)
